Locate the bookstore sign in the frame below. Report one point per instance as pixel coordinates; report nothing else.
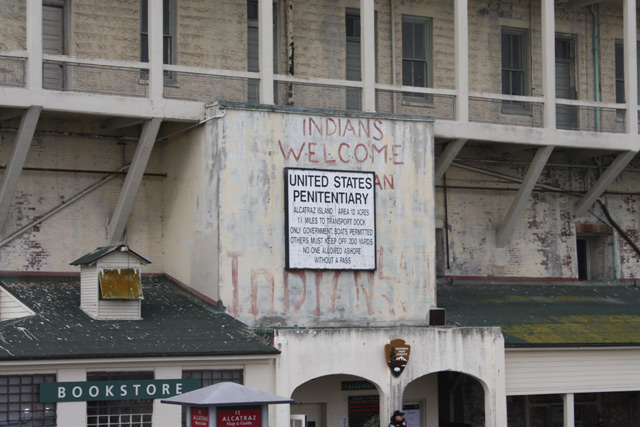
(330, 219)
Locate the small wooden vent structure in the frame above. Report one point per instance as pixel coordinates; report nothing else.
(110, 283)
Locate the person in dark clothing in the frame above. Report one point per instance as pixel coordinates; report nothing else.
(397, 420)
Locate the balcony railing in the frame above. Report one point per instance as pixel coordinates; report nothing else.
(199, 84)
(93, 76)
(130, 79)
(590, 116)
(506, 109)
(13, 70)
(330, 94)
(430, 102)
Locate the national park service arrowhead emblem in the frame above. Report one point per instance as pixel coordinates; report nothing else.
(397, 354)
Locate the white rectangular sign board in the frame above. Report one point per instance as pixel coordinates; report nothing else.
(330, 219)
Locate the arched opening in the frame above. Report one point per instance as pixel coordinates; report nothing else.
(336, 400)
(445, 399)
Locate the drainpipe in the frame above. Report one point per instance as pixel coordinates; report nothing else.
(290, 49)
(596, 62)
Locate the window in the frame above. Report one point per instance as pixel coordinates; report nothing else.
(53, 42)
(211, 377)
(515, 68)
(566, 115)
(120, 284)
(416, 54)
(116, 413)
(20, 401)
(353, 58)
(253, 49)
(619, 63)
(619, 74)
(168, 33)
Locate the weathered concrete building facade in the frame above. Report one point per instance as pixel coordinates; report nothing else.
(501, 136)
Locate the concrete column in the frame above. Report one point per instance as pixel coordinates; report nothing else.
(520, 201)
(630, 66)
(461, 32)
(34, 44)
(549, 63)
(447, 157)
(615, 168)
(16, 160)
(368, 54)
(568, 412)
(132, 181)
(265, 45)
(156, 78)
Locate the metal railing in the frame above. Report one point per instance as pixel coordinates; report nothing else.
(13, 71)
(590, 116)
(437, 105)
(195, 84)
(506, 110)
(327, 94)
(94, 78)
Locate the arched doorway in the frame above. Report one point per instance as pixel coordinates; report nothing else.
(445, 399)
(336, 400)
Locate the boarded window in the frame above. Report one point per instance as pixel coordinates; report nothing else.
(120, 284)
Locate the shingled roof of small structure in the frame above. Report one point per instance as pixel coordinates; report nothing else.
(174, 323)
(103, 251)
(547, 314)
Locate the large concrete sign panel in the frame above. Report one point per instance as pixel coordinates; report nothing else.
(370, 176)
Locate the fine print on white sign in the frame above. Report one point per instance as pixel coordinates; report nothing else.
(330, 219)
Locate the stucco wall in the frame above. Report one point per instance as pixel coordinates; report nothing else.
(246, 153)
(477, 352)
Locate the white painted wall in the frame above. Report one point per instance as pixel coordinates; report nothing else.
(314, 353)
(225, 217)
(583, 370)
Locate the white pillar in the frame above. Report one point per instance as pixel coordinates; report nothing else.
(368, 55)
(165, 415)
(630, 66)
(71, 413)
(265, 46)
(549, 63)
(461, 32)
(34, 44)
(568, 412)
(155, 40)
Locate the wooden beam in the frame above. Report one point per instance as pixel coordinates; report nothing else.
(612, 172)
(132, 181)
(520, 201)
(16, 161)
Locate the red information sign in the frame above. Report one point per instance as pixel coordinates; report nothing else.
(239, 417)
(199, 417)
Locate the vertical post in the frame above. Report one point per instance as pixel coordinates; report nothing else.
(368, 55)
(156, 79)
(265, 46)
(630, 66)
(34, 44)
(461, 32)
(549, 63)
(568, 410)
